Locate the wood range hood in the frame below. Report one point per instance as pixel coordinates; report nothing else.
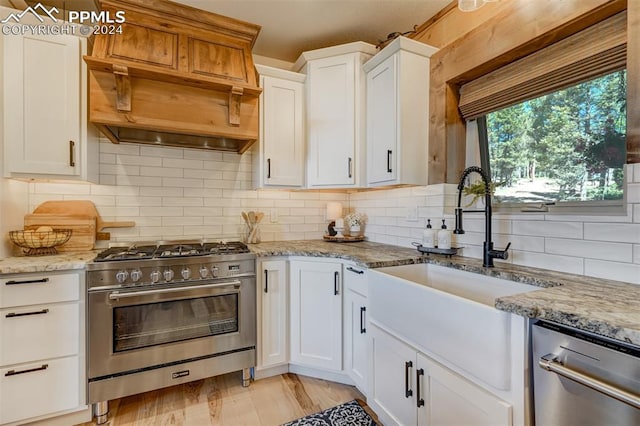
(175, 76)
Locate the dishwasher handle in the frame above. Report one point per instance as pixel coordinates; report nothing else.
(550, 362)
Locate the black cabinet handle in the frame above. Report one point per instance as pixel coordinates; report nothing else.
(407, 392)
(24, 314)
(420, 401)
(72, 154)
(16, 282)
(389, 152)
(363, 309)
(268, 168)
(350, 167)
(266, 281)
(349, 268)
(336, 277)
(30, 370)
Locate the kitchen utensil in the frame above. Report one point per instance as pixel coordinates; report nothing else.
(82, 207)
(39, 243)
(83, 227)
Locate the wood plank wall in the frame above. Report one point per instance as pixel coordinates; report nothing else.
(475, 43)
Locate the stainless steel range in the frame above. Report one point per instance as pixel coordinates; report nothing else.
(161, 314)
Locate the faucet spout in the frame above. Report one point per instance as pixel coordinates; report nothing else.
(488, 252)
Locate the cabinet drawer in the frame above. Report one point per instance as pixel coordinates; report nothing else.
(34, 289)
(49, 387)
(355, 278)
(39, 332)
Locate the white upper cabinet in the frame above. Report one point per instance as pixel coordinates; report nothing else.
(44, 108)
(335, 114)
(279, 157)
(397, 114)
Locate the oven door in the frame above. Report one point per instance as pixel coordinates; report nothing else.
(140, 328)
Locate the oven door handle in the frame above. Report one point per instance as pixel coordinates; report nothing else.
(550, 362)
(115, 295)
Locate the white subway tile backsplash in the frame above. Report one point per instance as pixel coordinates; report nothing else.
(136, 160)
(547, 229)
(626, 233)
(122, 148)
(62, 188)
(156, 151)
(589, 249)
(202, 155)
(182, 164)
(158, 191)
(107, 179)
(182, 183)
(627, 272)
(181, 221)
(160, 172)
(174, 193)
(572, 265)
(138, 201)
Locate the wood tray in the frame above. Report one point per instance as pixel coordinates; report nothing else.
(345, 239)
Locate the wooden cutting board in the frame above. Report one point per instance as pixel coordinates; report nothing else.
(83, 229)
(83, 208)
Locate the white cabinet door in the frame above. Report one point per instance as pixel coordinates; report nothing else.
(316, 314)
(42, 104)
(357, 344)
(357, 352)
(331, 121)
(451, 400)
(398, 114)
(393, 387)
(382, 101)
(273, 346)
(280, 160)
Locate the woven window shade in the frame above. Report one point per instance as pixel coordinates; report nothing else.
(591, 53)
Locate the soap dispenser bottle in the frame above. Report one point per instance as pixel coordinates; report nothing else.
(428, 236)
(444, 237)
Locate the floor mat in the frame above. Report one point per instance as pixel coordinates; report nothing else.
(348, 414)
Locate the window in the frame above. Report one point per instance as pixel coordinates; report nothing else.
(552, 125)
(568, 145)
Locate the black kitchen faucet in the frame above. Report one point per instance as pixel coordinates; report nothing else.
(488, 252)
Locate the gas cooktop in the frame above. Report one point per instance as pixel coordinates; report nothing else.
(170, 249)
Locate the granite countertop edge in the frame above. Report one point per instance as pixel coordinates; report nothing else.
(597, 305)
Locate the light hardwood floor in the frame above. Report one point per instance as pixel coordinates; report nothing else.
(223, 401)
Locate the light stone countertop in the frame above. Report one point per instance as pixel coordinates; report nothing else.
(56, 262)
(605, 307)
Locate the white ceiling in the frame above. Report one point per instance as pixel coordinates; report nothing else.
(290, 27)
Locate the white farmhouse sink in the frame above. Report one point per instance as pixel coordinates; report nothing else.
(449, 314)
(477, 287)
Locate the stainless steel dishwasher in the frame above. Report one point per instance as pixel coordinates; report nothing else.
(581, 378)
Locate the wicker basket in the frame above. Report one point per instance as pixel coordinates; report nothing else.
(39, 243)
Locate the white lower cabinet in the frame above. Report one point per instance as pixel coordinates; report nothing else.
(316, 314)
(272, 301)
(357, 347)
(409, 388)
(42, 348)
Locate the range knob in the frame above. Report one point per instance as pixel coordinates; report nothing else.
(203, 271)
(121, 276)
(168, 274)
(186, 273)
(155, 276)
(214, 271)
(136, 274)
